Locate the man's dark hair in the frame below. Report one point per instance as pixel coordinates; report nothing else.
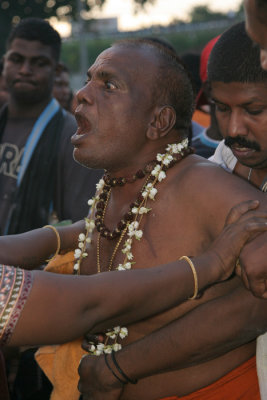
(36, 29)
(173, 85)
(235, 58)
(160, 41)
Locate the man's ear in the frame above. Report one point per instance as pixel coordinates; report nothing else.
(164, 119)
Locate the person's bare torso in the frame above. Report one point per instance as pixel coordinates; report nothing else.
(185, 218)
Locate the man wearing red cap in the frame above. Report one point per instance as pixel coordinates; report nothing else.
(209, 137)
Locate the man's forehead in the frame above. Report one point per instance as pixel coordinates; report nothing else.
(125, 58)
(250, 91)
(23, 46)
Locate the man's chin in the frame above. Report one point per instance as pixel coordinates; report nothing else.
(26, 98)
(83, 160)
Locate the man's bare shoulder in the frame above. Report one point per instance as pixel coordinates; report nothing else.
(206, 184)
(199, 172)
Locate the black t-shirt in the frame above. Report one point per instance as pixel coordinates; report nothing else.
(75, 184)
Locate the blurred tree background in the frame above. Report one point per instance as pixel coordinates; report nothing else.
(186, 36)
(11, 11)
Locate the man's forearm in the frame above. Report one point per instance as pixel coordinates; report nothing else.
(30, 249)
(207, 332)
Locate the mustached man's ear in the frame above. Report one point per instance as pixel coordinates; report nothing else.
(164, 119)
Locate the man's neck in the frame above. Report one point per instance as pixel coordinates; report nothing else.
(18, 110)
(142, 158)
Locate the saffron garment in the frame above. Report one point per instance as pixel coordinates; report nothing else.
(241, 383)
(60, 362)
(15, 286)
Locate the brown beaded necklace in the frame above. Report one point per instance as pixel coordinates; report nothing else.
(104, 198)
(122, 225)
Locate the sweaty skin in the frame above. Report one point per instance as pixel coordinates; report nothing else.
(187, 214)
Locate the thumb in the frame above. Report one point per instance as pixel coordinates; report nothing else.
(240, 209)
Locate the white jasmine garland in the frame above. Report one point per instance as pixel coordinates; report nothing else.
(144, 210)
(77, 253)
(138, 234)
(167, 159)
(161, 176)
(123, 333)
(107, 350)
(160, 157)
(100, 185)
(133, 233)
(116, 347)
(81, 237)
(156, 170)
(152, 193)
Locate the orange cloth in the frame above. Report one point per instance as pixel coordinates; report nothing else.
(201, 118)
(60, 363)
(241, 383)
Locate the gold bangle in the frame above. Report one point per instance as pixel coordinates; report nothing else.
(58, 241)
(189, 261)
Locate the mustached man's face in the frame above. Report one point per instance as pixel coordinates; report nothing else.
(241, 111)
(256, 26)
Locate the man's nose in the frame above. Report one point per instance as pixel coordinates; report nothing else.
(237, 125)
(264, 59)
(25, 67)
(85, 94)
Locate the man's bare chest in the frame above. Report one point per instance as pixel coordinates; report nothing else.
(166, 236)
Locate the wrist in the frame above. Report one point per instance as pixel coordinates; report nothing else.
(108, 378)
(212, 269)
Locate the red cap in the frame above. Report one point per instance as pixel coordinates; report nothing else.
(203, 70)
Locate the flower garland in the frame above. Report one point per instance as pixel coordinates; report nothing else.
(174, 153)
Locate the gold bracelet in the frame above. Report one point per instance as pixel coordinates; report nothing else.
(189, 261)
(58, 241)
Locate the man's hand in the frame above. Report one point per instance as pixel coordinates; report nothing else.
(252, 265)
(243, 223)
(253, 262)
(96, 381)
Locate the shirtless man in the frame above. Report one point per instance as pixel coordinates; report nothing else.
(181, 349)
(126, 116)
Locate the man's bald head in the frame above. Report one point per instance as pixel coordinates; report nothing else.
(172, 86)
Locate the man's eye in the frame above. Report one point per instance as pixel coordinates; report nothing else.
(15, 59)
(255, 112)
(109, 85)
(41, 63)
(221, 108)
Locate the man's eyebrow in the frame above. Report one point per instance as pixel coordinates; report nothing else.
(245, 104)
(216, 100)
(18, 54)
(102, 74)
